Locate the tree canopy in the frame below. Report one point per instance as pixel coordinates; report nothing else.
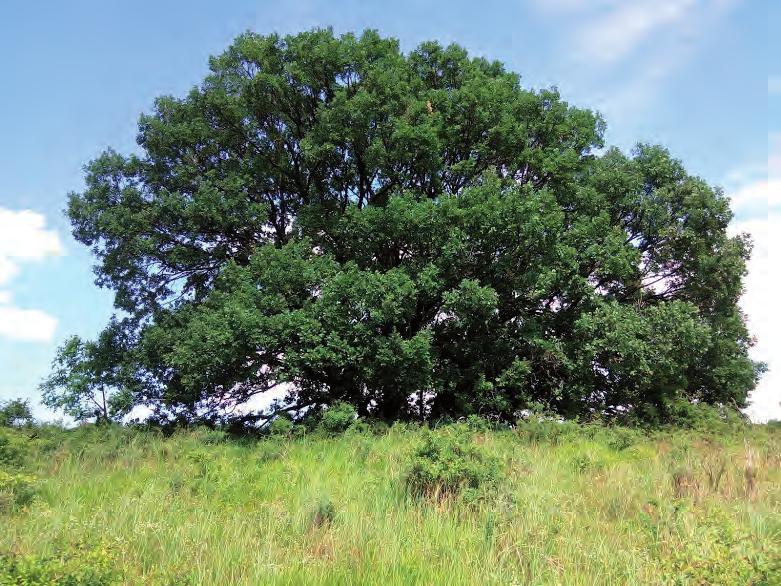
(414, 234)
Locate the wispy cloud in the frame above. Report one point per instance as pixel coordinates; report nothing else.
(24, 238)
(774, 85)
(631, 49)
(615, 33)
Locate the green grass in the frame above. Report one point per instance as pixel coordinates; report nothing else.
(589, 506)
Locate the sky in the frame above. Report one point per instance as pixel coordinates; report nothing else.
(693, 75)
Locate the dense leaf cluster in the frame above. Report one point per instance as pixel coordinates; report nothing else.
(414, 234)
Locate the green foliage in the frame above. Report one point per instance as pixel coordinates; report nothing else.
(478, 424)
(704, 417)
(415, 234)
(89, 381)
(622, 438)
(13, 449)
(15, 413)
(281, 427)
(538, 428)
(337, 418)
(270, 451)
(84, 567)
(17, 490)
(717, 552)
(448, 461)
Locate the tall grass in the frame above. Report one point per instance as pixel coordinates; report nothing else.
(578, 506)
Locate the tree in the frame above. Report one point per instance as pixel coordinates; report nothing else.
(413, 234)
(15, 412)
(89, 380)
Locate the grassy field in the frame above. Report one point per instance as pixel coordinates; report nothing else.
(570, 505)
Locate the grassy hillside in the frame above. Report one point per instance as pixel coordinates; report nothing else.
(564, 505)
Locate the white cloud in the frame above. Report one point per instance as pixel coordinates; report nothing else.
(23, 239)
(30, 325)
(756, 198)
(774, 154)
(758, 205)
(774, 85)
(764, 321)
(610, 30)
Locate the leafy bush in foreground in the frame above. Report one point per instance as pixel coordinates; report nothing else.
(449, 461)
(281, 427)
(337, 418)
(92, 567)
(13, 449)
(16, 491)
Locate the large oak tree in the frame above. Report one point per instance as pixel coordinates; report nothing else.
(415, 234)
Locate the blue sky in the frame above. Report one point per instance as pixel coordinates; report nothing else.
(694, 75)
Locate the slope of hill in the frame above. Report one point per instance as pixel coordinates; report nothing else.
(564, 504)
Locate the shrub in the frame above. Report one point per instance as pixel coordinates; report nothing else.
(93, 567)
(13, 449)
(621, 438)
(448, 461)
(720, 552)
(541, 429)
(359, 427)
(479, 424)
(209, 436)
(337, 418)
(281, 427)
(583, 462)
(16, 491)
(703, 417)
(377, 426)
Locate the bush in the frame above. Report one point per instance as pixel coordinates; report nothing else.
(448, 461)
(16, 491)
(80, 568)
(209, 436)
(718, 419)
(283, 427)
(541, 429)
(621, 438)
(720, 552)
(337, 418)
(478, 424)
(13, 449)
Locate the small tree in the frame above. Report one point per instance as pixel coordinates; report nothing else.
(15, 412)
(86, 382)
